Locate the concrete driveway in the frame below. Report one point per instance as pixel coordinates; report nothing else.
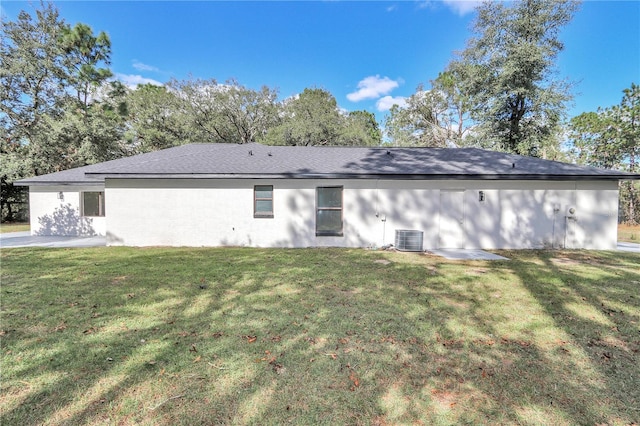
(632, 247)
(25, 239)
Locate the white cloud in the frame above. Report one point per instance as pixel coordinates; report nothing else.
(425, 4)
(392, 8)
(144, 67)
(132, 80)
(462, 7)
(385, 103)
(372, 87)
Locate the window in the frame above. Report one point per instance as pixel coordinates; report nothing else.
(329, 211)
(92, 204)
(263, 201)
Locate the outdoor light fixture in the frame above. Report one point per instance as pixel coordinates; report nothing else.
(60, 195)
(481, 196)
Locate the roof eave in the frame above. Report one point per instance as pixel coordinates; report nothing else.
(303, 175)
(59, 183)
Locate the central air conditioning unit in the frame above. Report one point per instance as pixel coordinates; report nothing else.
(408, 240)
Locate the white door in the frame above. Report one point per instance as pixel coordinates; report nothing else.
(452, 219)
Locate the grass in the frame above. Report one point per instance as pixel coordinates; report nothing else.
(629, 233)
(626, 233)
(14, 227)
(318, 336)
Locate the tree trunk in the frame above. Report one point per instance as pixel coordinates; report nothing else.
(631, 205)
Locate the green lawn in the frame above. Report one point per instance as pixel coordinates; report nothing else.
(317, 336)
(13, 227)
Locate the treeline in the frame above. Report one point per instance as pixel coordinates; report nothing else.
(610, 138)
(194, 110)
(60, 106)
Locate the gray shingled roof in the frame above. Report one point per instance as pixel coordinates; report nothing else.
(260, 161)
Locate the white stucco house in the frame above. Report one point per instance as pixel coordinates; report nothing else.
(286, 196)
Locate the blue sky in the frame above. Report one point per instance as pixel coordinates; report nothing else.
(367, 54)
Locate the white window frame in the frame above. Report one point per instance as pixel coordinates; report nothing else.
(262, 214)
(101, 206)
(319, 208)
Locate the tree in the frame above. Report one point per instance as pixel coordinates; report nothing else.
(452, 104)
(83, 55)
(414, 123)
(91, 134)
(56, 108)
(13, 199)
(30, 85)
(610, 138)
(91, 127)
(438, 117)
(418, 122)
(31, 71)
(514, 97)
(157, 119)
(360, 129)
(43, 62)
(592, 134)
(313, 118)
(229, 112)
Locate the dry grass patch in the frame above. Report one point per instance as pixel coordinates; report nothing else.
(629, 233)
(332, 336)
(14, 227)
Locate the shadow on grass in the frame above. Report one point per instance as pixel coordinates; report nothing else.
(333, 336)
(594, 299)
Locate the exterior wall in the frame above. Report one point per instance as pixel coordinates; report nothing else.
(219, 212)
(50, 215)
(537, 215)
